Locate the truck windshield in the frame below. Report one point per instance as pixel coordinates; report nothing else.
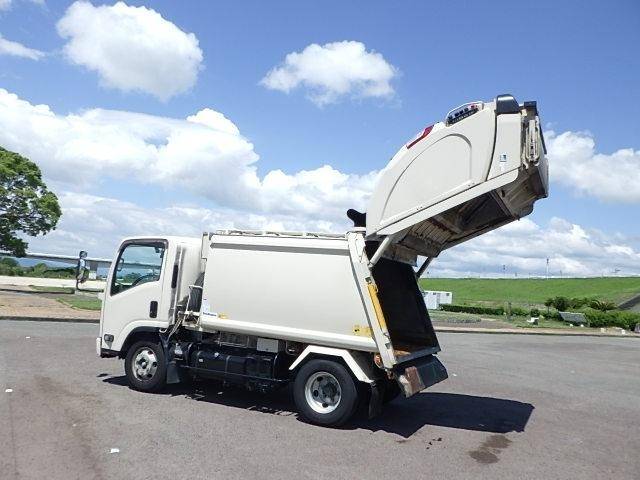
(137, 264)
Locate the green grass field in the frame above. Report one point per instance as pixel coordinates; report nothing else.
(81, 302)
(533, 291)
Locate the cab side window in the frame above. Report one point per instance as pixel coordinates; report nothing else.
(138, 263)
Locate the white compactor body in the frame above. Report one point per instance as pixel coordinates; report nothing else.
(341, 316)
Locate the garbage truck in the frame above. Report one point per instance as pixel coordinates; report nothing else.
(338, 317)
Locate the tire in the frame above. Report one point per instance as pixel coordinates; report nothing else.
(325, 393)
(145, 366)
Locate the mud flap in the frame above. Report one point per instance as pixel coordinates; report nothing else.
(174, 373)
(416, 375)
(375, 400)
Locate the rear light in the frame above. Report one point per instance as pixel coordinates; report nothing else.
(463, 111)
(420, 136)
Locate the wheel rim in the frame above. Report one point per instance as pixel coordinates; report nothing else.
(145, 364)
(322, 392)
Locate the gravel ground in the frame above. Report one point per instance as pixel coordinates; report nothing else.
(23, 302)
(515, 406)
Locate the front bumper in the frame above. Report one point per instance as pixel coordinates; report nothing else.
(420, 373)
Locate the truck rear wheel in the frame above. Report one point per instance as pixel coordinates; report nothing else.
(145, 366)
(325, 393)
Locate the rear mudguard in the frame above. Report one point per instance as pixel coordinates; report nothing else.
(357, 362)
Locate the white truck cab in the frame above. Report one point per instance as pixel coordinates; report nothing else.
(340, 316)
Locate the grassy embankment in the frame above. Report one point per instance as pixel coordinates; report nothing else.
(528, 293)
(533, 292)
(82, 302)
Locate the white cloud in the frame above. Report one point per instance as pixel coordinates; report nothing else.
(204, 154)
(7, 47)
(573, 162)
(524, 246)
(131, 48)
(333, 71)
(97, 224)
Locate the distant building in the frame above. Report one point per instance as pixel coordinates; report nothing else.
(433, 299)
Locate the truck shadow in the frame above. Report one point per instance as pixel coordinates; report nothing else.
(279, 402)
(402, 417)
(468, 412)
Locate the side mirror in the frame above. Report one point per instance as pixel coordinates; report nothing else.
(120, 264)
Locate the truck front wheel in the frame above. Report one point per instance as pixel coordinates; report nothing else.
(145, 366)
(325, 393)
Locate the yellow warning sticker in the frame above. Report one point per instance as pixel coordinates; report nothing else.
(362, 331)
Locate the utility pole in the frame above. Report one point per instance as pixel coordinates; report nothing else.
(547, 274)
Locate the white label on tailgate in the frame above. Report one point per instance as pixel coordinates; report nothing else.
(206, 308)
(503, 161)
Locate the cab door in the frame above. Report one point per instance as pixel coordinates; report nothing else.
(133, 295)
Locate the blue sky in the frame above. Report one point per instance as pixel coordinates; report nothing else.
(579, 60)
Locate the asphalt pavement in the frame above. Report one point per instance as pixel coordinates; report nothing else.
(515, 406)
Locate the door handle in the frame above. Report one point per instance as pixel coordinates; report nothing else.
(153, 309)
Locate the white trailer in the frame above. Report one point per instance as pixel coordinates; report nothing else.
(339, 316)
